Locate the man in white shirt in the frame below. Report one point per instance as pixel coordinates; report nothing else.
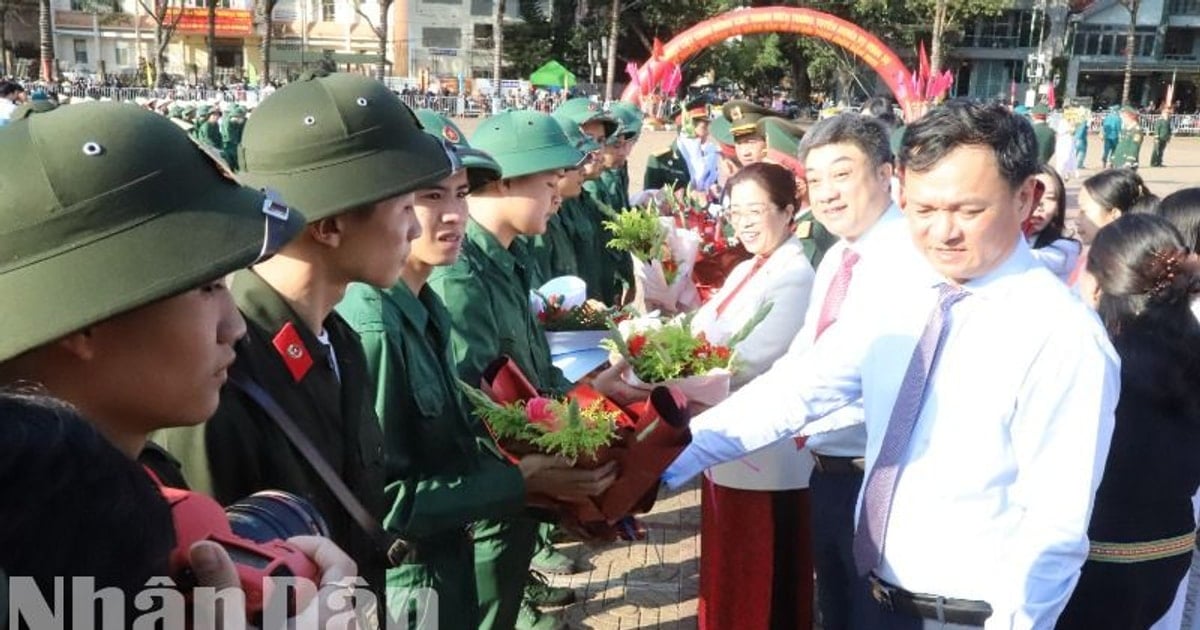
(986, 437)
(848, 166)
(698, 151)
(11, 97)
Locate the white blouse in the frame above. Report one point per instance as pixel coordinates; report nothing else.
(785, 280)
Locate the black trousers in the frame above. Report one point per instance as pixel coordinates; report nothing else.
(842, 596)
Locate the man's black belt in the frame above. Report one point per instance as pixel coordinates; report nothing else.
(830, 465)
(967, 612)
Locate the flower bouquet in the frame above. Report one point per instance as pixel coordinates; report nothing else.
(644, 440)
(719, 252)
(574, 325)
(663, 257)
(669, 353)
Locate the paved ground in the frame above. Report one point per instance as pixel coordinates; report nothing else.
(654, 583)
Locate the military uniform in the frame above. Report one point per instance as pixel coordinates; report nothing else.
(1129, 145)
(814, 238)
(208, 132)
(1162, 135)
(1043, 133)
(241, 450)
(486, 293)
(443, 470)
(667, 168)
(231, 135)
(612, 269)
(551, 254)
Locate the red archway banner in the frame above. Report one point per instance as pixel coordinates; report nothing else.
(805, 22)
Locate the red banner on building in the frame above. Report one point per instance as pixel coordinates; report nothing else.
(229, 22)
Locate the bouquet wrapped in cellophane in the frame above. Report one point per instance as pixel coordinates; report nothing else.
(591, 430)
(668, 353)
(663, 258)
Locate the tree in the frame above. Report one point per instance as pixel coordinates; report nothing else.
(529, 43)
(614, 20)
(266, 9)
(45, 42)
(947, 16)
(498, 45)
(379, 26)
(9, 9)
(1130, 44)
(212, 42)
(166, 15)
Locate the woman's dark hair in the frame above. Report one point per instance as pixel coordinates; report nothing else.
(1182, 209)
(1054, 228)
(778, 181)
(1116, 188)
(1140, 264)
(73, 504)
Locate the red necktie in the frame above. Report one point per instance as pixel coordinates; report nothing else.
(833, 301)
(758, 263)
(837, 292)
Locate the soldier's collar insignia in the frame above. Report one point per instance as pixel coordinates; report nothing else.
(290, 347)
(450, 134)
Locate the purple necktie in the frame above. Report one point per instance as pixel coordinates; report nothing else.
(881, 482)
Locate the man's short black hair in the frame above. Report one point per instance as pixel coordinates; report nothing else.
(963, 122)
(868, 134)
(8, 88)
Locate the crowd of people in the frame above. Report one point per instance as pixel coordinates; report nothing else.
(955, 410)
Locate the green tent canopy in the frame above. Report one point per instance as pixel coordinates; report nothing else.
(552, 74)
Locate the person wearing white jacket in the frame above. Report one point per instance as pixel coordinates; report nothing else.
(755, 563)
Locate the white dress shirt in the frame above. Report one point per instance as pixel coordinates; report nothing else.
(1060, 257)
(889, 230)
(785, 280)
(701, 159)
(995, 495)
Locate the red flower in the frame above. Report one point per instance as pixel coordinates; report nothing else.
(541, 412)
(636, 343)
(722, 352)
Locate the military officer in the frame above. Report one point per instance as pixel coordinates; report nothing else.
(1043, 132)
(748, 139)
(666, 168)
(444, 470)
(1162, 135)
(1129, 145)
(346, 151)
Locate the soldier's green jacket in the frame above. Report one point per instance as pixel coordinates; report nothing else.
(1045, 141)
(553, 253)
(1162, 129)
(443, 469)
(210, 134)
(666, 169)
(240, 450)
(607, 271)
(486, 292)
(231, 138)
(814, 238)
(1129, 147)
(614, 189)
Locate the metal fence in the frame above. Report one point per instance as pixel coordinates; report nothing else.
(1181, 124)
(130, 94)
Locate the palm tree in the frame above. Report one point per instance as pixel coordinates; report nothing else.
(266, 9)
(498, 42)
(45, 41)
(1130, 44)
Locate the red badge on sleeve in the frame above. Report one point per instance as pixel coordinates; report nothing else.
(291, 348)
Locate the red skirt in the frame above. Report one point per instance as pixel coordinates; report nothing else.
(755, 559)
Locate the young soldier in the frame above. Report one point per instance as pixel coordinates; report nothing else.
(443, 469)
(556, 253)
(486, 292)
(346, 151)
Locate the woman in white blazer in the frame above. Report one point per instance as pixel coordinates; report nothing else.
(755, 563)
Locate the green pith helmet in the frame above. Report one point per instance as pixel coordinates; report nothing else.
(630, 118)
(783, 141)
(175, 111)
(481, 168)
(582, 110)
(525, 142)
(743, 117)
(111, 207)
(719, 130)
(334, 143)
(574, 133)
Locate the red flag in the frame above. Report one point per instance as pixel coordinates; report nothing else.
(923, 72)
(1050, 100)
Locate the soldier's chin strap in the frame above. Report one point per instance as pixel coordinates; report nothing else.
(275, 233)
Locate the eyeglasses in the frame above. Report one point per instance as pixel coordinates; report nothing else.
(747, 211)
